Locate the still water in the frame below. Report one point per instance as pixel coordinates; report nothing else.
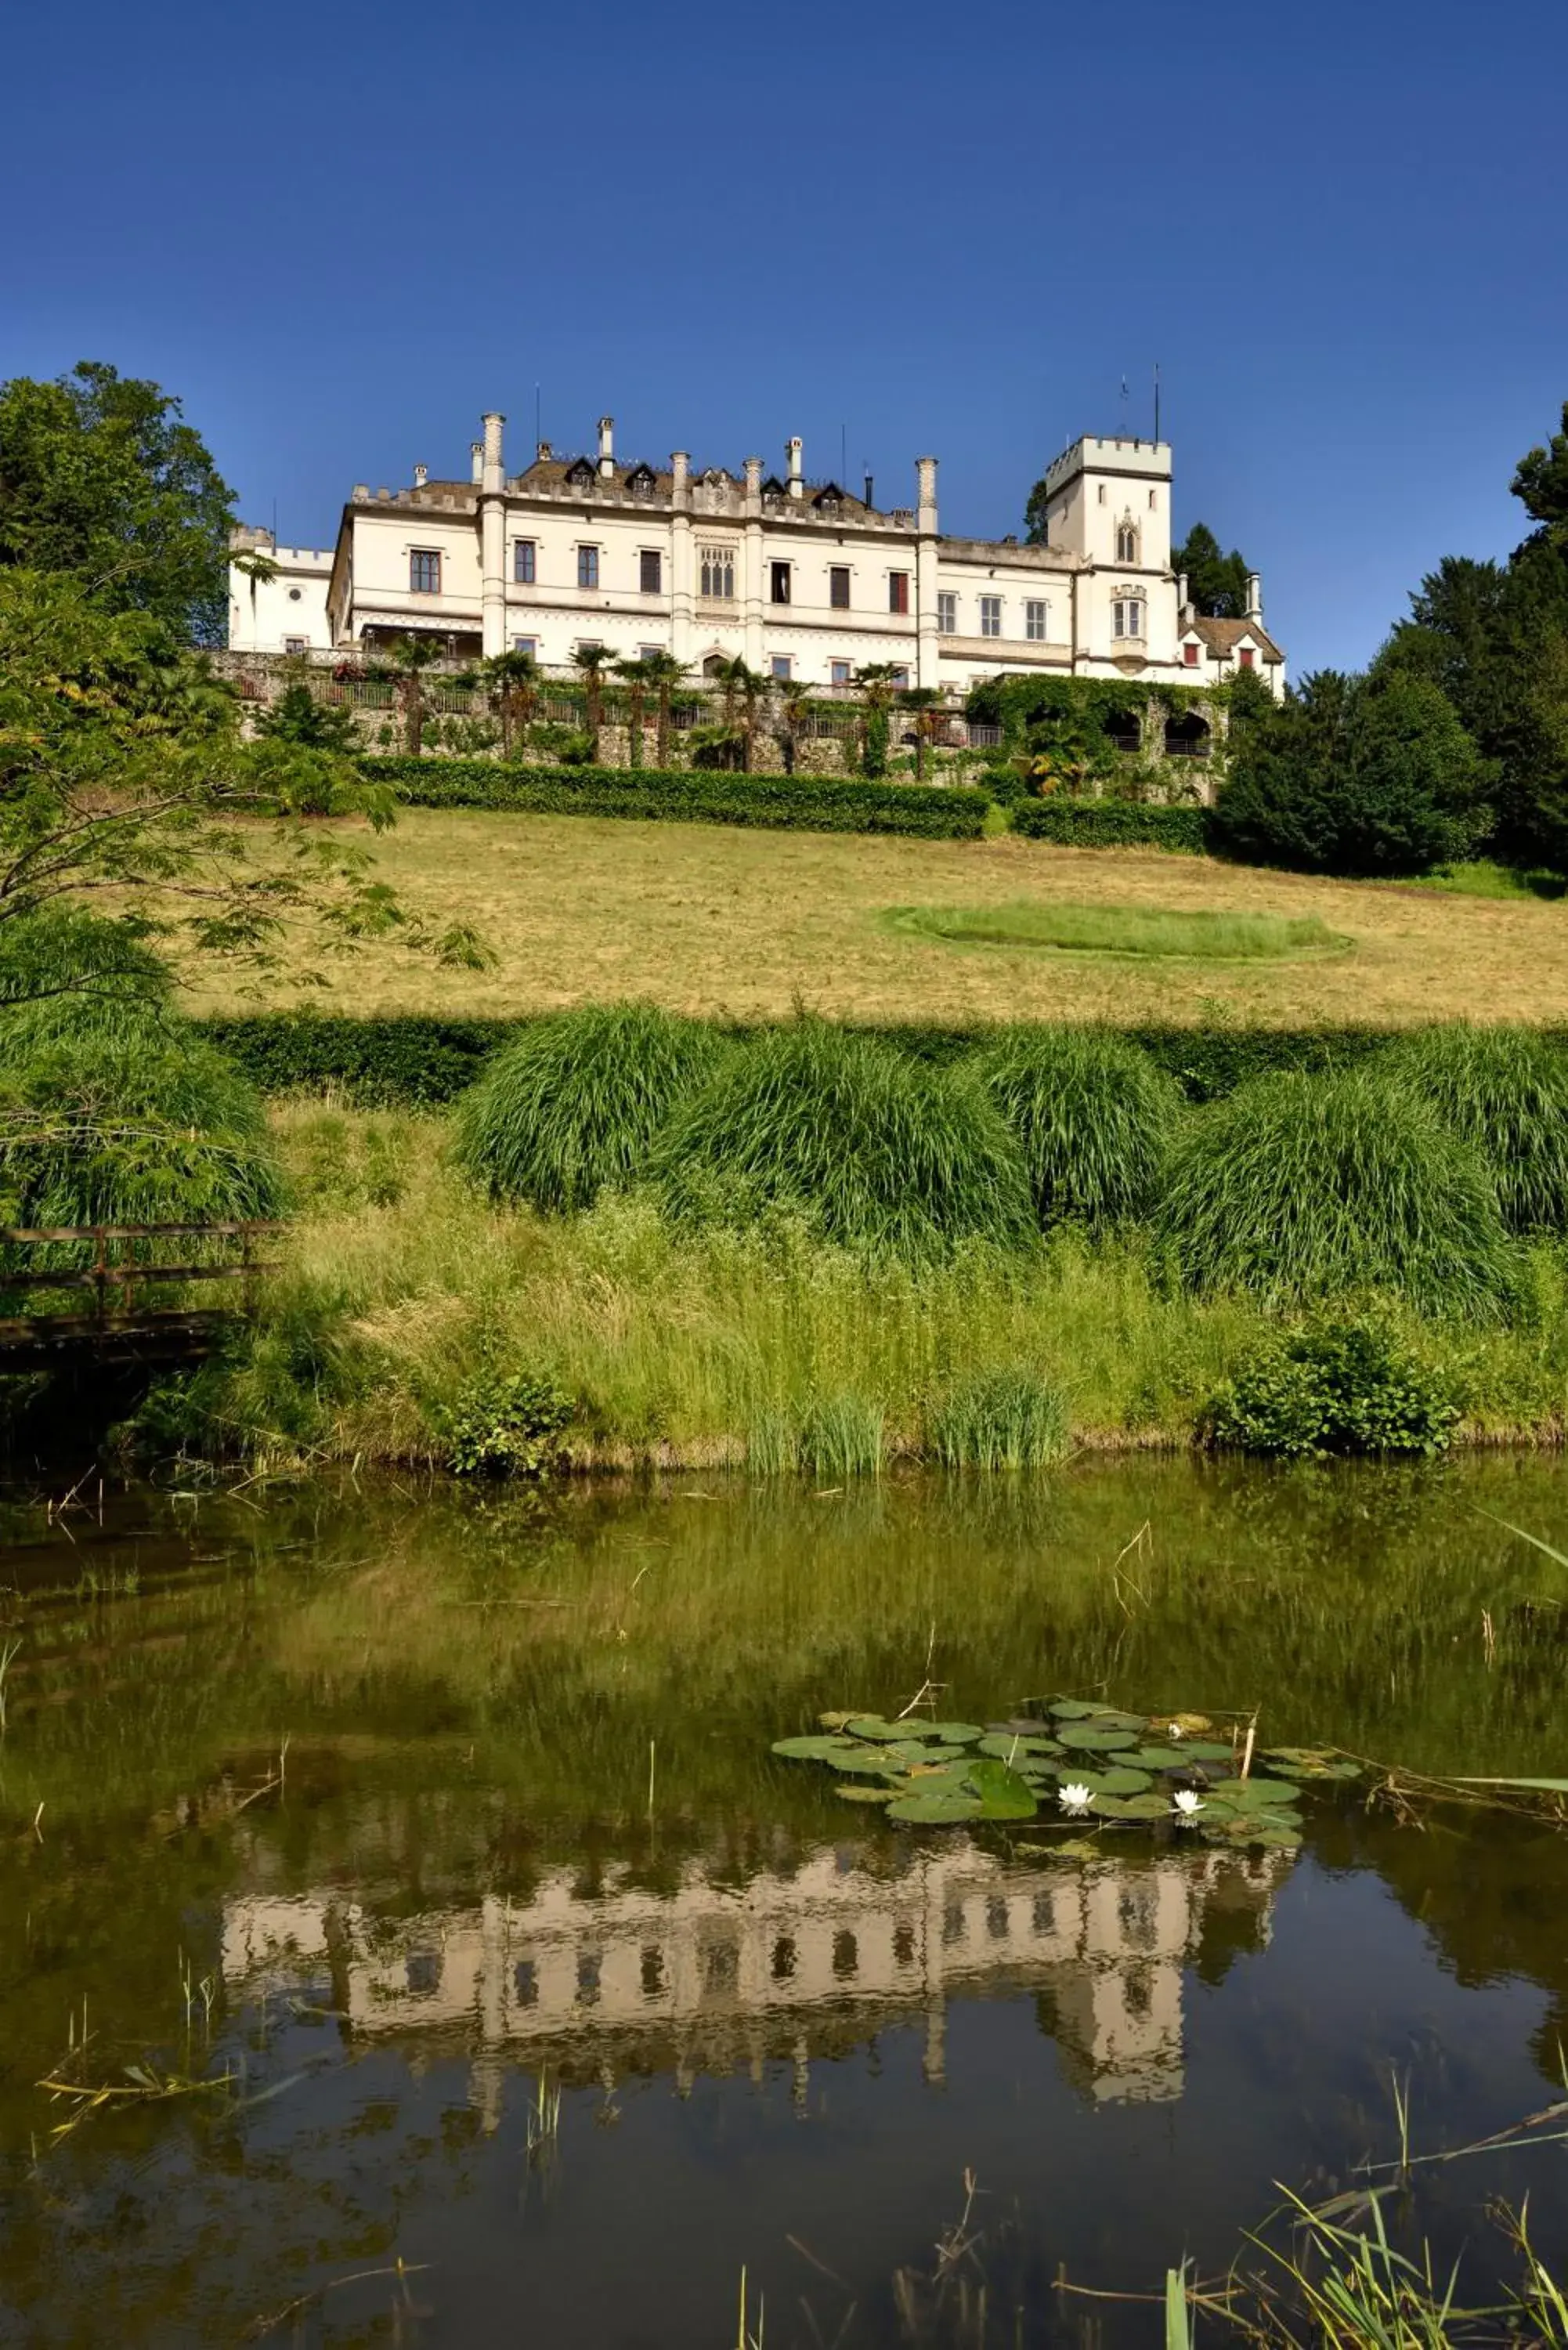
(412, 1812)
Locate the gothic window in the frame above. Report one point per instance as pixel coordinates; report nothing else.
(1127, 541)
(716, 575)
(424, 571)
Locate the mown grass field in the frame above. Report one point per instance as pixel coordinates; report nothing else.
(706, 919)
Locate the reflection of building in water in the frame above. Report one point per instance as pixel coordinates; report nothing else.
(702, 1979)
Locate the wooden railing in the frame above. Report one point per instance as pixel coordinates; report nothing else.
(111, 1278)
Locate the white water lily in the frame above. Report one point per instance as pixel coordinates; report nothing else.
(1174, 1731)
(1074, 1797)
(1187, 1805)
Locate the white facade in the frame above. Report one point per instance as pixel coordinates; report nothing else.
(286, 611)
(801, 579)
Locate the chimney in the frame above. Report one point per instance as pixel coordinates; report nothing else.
(607, 447)
(680, 477)
(1255, 598)
(542, 453)
(421, 475)
(870, 491)
(476, 461)
(1182, 599)
(793, 450)
(493, 477)
(754, 481)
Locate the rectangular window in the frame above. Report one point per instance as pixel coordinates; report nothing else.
(898, 591)
(899, 677)
(838, 587)
(650, 571)
(1245, 656)
(778, 583)
(649, 652)
(1189, 655)
(947, 613)
(529, 645)
(779, 665)
(587, 566)
(1034, 622)
(589, 645)
(424, 571)
(1127, 617)
(990, 616)
(838, 672)
(524, 562)
(293, 644)
(716, 573)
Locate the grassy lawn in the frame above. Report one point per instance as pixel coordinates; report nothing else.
(707, 920)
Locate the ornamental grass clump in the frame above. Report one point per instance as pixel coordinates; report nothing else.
(877, 1150)
(572, 1106)
(1094, 1117)
(1505, 1091)
(1304, 1187)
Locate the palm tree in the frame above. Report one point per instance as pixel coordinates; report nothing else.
(411, 655)
(794, 693)
(508, 682)
(738, 682)
(594, 663)
(925, 702)
(876, 684)
(635, 675)
(661, 674)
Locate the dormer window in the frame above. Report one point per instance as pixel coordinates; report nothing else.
(829, 500)
(1190, 654)
(581, 475)
(641, 480)
(1246, 656)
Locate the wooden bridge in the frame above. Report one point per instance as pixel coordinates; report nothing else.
(125, 1258)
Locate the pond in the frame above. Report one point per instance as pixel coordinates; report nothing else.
(427, 1847)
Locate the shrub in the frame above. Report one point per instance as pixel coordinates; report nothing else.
(1111, 824)
(574, 1102)
(1093, 1115)
(1000, 1420)
(805, 803)
(1298, 1187)
(1346, 1386)
(1351, 775)
(876, 1150)
(119, 1113)
(1505, 1091)
(504, 1426)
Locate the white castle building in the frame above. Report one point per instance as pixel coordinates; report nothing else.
(803, 580)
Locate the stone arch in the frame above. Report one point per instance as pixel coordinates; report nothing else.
(1188, 735)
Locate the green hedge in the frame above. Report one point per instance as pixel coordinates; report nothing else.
(424, 1062)
(1112, 823)
(806, 803)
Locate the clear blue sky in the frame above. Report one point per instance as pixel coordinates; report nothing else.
(341, 231)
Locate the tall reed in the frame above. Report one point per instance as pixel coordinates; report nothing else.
(1094, 1117)
(1505, 1091)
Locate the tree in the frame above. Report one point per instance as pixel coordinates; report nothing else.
(131, 803)
(661, 674)
(635, 677)
(1352, 775)
(1035, 530)
(508, 682)
(740, 683)
(593, 663)
(793, 695)
(101, 476)
(1541, 484)
(1216, 583)
(297, 716)
(411, 655)
(876, 684)
(924, 705)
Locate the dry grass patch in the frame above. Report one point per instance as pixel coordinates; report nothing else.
(705, 919)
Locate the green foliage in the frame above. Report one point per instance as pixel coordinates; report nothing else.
(1095, 929)
(874, 1150)
(101, 477)
(1009, 1419)
(1335, 1387)
(297, 716)
(1302, 1188)
(842, 1435)
(806, 803)
(1113, 824)
(1541, 482)
(874, 747)
(572, 1104)
(1505, 1091)
(1094, 1115)
(504, 1426)
(1216, 583)
(1041, 715)
(115, 1112)
(1352, 775)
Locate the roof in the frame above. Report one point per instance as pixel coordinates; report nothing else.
(550, 473)
(1223, 637)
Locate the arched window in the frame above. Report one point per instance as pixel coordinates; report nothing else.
(1127, 541)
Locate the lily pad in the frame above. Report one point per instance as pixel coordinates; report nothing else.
(1313, 1761)
(1203, 1749)
(1106, 1717)
(1071, 1709)
(1131, 1807)
(1004, 1793)
(956, 1734)
(1089, 1738)
(871, 1726)
(1009, 1745)
(1254, 1794)
(835, 1720)
(1155, 1758)
(934, 1811)
(864, 1794)
(817, 1748)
